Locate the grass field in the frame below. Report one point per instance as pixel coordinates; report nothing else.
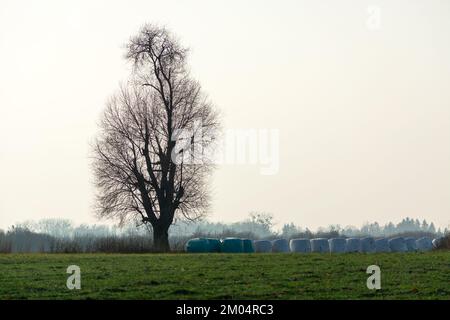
(226, 276)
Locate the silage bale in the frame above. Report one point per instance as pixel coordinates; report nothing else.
(411, 244)
(280, 245)
(337, 245)
(248, 246)
(197, 245)
(320, 245)
(397, 245)
(382, 245)
(367, 245)
(438, 242)
(424, 244)
(353, 245)
(300, 245)
(262, 246)
(213, 245)
(232, 245)
(435, 243)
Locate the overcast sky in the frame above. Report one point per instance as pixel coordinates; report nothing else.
(359, 91)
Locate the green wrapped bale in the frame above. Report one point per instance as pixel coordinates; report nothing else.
(213, 245)
(248, 246)
(197, 245)
(232, 245)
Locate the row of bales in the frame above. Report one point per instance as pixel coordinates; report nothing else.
(320, 245)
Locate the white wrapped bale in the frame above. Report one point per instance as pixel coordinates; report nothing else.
(353, 245)
(368, 245)
(382, 245)
(280, 245)
(435, 243)
(320, 245)
(337, 245)
(262, 246)
(397, 244)
(300, 245)
(411, 244)
(438, 242)
(424, 244)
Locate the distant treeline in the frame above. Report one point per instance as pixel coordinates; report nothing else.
(406, 226)
(63, 236)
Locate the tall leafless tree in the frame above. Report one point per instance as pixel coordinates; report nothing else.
(149, 159)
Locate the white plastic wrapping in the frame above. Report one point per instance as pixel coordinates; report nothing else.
(262, 246)
(411, 244)
(353, 245)
(300, 245)
(368, 245)
(398, 245)
(280, 245)
(382, 245)
(320, 245)
(337, 245)
(424, 244)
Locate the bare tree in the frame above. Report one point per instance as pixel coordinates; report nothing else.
(150, 160)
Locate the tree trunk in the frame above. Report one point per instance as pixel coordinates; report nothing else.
(161, 238)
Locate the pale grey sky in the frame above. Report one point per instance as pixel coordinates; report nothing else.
(363, 112)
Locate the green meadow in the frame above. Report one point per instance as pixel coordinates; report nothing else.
(225, 276)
